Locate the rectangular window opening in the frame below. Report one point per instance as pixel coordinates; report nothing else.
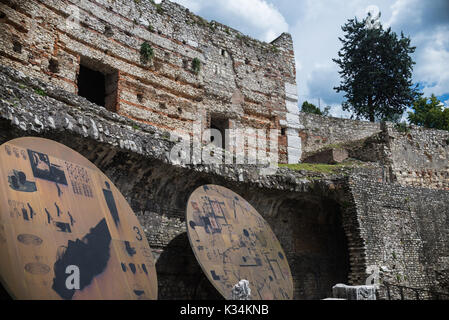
(221, 124)
(98, 83)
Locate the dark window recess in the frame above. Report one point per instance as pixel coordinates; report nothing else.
(53, 66)
(98, 87)
(283, 131)
(220, 124)
(140, 97)
(108, 32)
(17, 46)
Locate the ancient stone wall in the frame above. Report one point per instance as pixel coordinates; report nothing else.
(405, 232)
(201, 71)
(318, 131)
(419, 156)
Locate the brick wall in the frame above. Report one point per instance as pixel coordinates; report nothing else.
(240, 78)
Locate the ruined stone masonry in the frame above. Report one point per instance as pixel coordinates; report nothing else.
(115, 85)
(240, 82)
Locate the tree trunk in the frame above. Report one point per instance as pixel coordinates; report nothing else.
(371, 109)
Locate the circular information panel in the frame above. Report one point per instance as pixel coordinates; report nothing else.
(66, 232)
(232, 242)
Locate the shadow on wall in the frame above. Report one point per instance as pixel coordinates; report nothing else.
(4, 296)
(180, 277)
(311, 231)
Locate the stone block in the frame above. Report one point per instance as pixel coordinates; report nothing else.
(294, 155)
(294, 141)
(329, 156)
(292, 107)
(292, 119)
(342, 291)
(291, 91)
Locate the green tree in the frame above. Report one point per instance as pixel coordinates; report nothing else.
(311, 108)
(376, 71)
(429, 113)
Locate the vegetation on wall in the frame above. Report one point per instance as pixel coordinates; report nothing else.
(196, 65)
(40, 92)
(158, 7)
(146, 52)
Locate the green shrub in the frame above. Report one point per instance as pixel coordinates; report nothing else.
(196, 65)
(146, 52)
(402, 127)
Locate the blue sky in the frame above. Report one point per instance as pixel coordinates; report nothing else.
(315, 26)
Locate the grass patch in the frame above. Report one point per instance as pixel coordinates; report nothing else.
(320, 168)
(40, 92)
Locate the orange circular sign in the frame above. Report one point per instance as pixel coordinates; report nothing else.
(232, 242)
(66, 232)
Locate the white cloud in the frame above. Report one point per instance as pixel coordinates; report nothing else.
(316, 25)
(259, 18)
(338, 112)
(404, 11)
(192, 5)
(427, 23)
(324, 74)
(432, 56)
(259, 14)
(316, 42)
(315, 38)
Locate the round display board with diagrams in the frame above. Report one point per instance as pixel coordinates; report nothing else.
(232, 242)
(66, 232)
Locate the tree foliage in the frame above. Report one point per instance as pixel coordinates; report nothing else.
(376, 70)
(311, 108)
(429, 113)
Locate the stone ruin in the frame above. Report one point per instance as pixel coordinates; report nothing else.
(112, 78)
